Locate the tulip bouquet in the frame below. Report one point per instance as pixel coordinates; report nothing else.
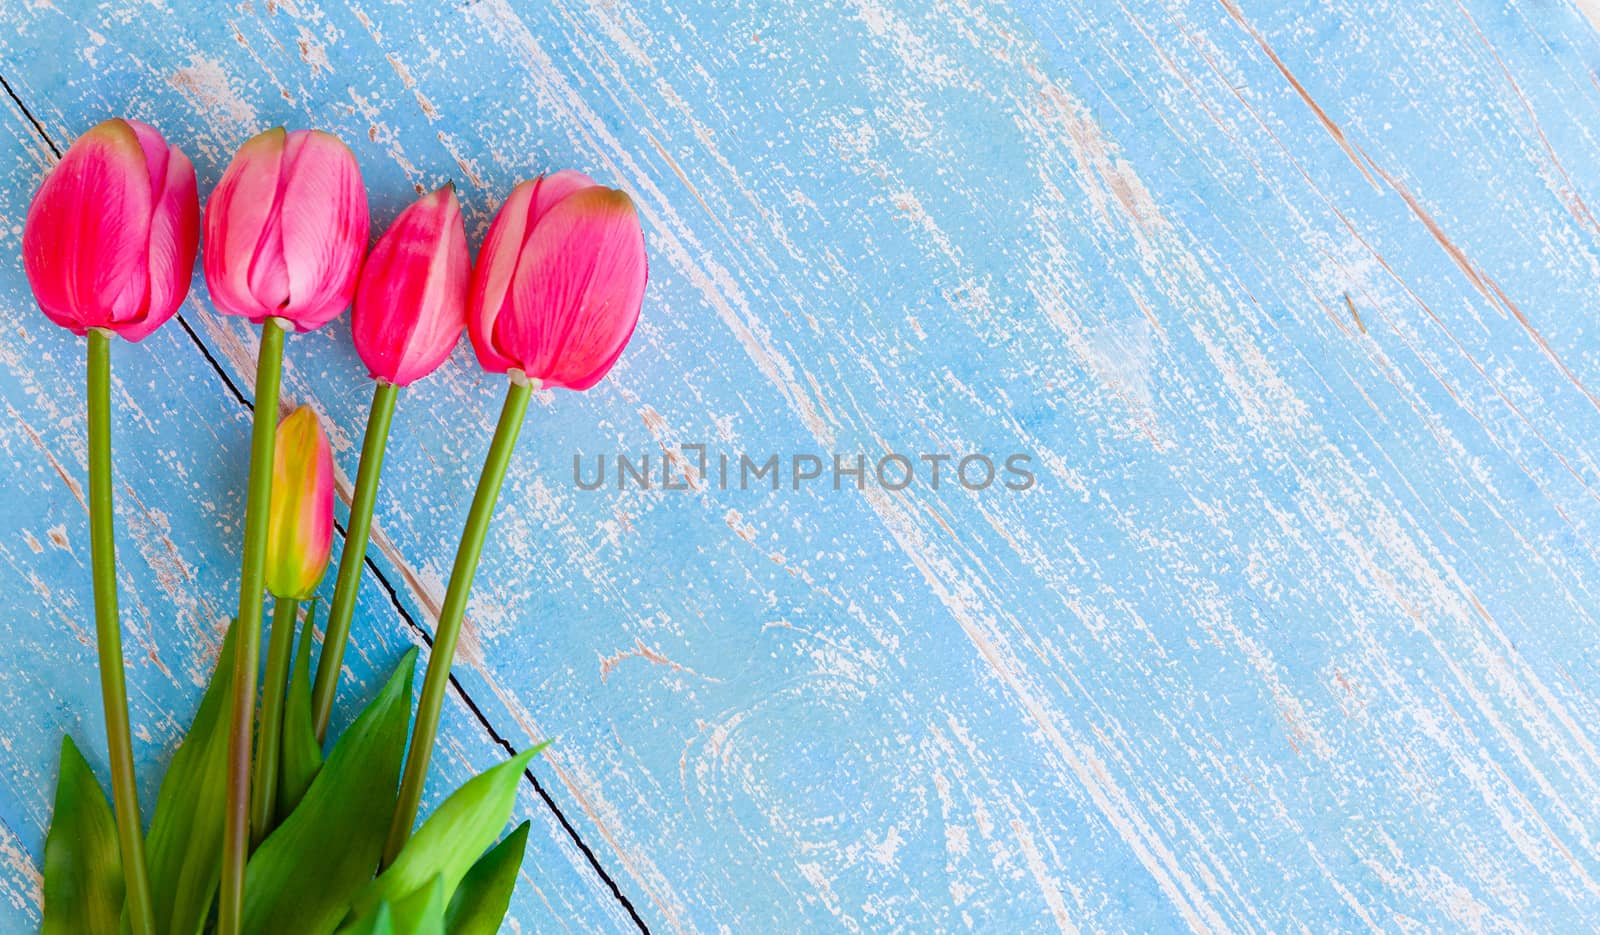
(254, 830)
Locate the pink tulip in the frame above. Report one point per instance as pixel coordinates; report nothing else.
(111, 235)
(300, 520)
(559, 282)
(412, 301)
(286, 229)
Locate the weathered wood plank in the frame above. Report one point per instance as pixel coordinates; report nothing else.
(1291, 303)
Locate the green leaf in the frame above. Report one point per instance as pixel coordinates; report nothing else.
(82, 866)
(302, 754)
(380, 922)
(481, 901)
(184, 846)
(302, 877)
(454, 837)
(421, 913)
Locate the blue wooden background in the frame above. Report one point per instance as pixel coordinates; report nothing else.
(1293, 303)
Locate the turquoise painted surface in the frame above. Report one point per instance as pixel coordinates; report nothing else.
(1292, 303)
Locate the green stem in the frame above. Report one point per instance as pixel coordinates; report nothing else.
(355, 552)
(236, 825)
(108, 639)
(449, 626)
(280, 647)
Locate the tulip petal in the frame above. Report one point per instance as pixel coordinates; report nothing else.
(491, 276)
(300, 517)
(411, 304)
(268, 277)
(236, 221)
(324, 227)
(445, 294)
(174, 240)
(86, 232)
(502, 251)
(581, 381)
(318, 513)
(382, 317)
(578, 290)
(449, 278)
(441, 293)
(549, 190)
(155, 153)
(269, 269)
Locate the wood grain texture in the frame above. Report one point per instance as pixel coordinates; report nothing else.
(1293, 304)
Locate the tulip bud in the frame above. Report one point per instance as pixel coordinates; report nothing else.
(111, 235)
(300, 519)
(412, 301)
(286, 229)
(559, 282)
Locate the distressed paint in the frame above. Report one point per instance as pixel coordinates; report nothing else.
(1291, 302)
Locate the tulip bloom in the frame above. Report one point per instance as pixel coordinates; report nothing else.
(110, 238)
(412, 301)
(300, 520)
(410, 308)
(299, 539)
(555, 296)
(108, 247)
(286, 229)
(559, 282)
